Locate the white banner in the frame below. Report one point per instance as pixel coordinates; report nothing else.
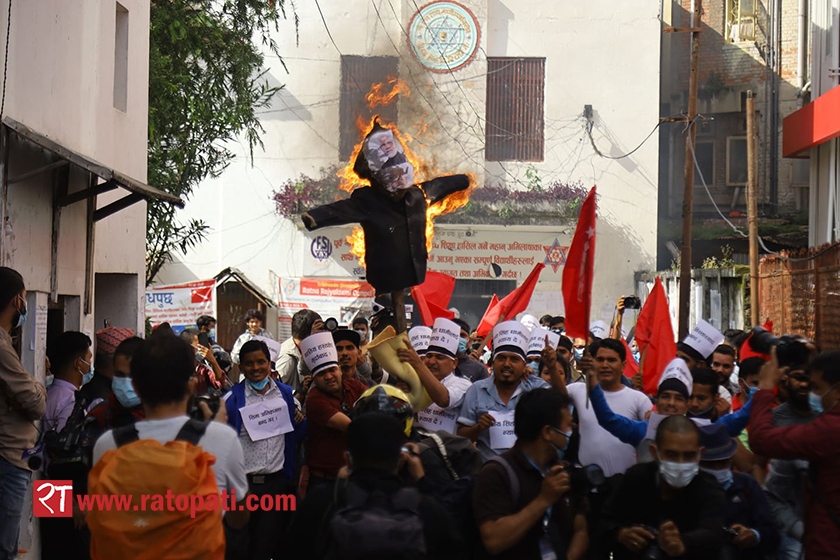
(340, 299)
(180, 304)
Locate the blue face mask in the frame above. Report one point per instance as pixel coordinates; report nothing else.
(86, 377)
(637, 356)
(21, 314)
(462, 346)
(124, 391)
(212, 334)
(535, 366)
(561, 451)
(815, 401)
(48, 381)
(751, 391)
(578, 354)
(259, 385)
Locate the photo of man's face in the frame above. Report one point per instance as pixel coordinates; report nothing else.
(387, 147)
(380, 148)
(396, 177)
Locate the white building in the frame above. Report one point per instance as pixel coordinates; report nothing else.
(73, 156)
(508, 99)
(813, 131)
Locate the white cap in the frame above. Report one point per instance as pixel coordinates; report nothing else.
(511, 337)
(530, 321)
(704, 339)
(599, 329)
(445, 337)
(419, 338)
(537, 341)
(678, 369)
(273, 346)
(318, 352)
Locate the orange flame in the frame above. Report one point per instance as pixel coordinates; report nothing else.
(349, 181)
(376, 97)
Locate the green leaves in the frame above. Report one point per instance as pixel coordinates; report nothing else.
(206, 81)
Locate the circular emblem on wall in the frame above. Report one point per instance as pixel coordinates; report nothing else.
(321, 248)
(444, 36)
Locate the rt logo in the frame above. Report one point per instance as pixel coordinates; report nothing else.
(52, 498)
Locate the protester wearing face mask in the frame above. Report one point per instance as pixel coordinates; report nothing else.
(667, 505)
(751, 532)
(545, 516)
(99, 387)
(535, 347)
(123, 405)
(468, 367)
(22, 402)
(817, 441)
(72, 365)
(566, 350)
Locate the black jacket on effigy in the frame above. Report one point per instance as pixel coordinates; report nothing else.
(395, 230)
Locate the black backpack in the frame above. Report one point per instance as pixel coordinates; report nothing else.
(376, 526)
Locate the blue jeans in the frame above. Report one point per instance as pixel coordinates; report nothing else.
(13, 484)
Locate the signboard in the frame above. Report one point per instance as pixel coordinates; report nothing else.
(180, 304)
(341, 299)
(465, 252)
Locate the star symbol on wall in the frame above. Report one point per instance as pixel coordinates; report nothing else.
(555, 255)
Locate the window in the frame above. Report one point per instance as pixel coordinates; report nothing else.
(121, 59)
(800, 172)
(705, 152)
(358, 74)
(740, 20)
(515, 105)
(736, 161)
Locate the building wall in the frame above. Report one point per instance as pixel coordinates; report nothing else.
(582, 68)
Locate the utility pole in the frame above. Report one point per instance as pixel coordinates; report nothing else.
(752, 208)
(688, 194)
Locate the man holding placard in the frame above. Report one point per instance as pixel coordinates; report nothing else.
(487, 413)
(263, 412)
(441, 359)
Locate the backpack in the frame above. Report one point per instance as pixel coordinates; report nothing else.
(376, 526)
(139, 467)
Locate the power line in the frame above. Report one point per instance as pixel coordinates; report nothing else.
(6, 60)
(591, 124)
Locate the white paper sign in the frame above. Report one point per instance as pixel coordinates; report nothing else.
(273, 347)
(656, 419)
(704, 338)
(435, 418)
(266, 419)
(501, 433)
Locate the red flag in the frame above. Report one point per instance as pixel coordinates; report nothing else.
(655, 337)
(577, 275)
(631, 368)
(514, 303)
(433, 295)
(746, 350)
(486, 318)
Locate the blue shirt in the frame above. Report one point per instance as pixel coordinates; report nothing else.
(483, 398)
(633, 431)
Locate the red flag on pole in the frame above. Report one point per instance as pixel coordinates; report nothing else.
(514, 303)
(655, 337)
(433, 295)
(486, 318)
(577, 275)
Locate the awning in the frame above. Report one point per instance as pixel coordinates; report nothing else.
(112, 178)
(814, 124)
(234, 274)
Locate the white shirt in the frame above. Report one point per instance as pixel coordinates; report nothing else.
(219, 440)
(597, 445)
(265, 456)
(435, 418)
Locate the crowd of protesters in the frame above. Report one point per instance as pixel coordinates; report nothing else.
(536, 447)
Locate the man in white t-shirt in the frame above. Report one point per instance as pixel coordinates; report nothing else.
(441, 359)
(162, 374)
(597, 445)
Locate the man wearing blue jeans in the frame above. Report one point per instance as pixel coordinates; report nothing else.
(22, 401)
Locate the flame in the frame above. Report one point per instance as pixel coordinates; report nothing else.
(376, 97)
(349, 181)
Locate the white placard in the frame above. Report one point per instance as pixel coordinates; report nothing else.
(501, 433)
(266, 419)
(704, 338)
(656, 419)
(273, 347)
(435, 418)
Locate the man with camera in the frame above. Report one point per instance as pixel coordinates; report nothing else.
(269, 447)
(290, 367)
(816, 442)
(668, 508)
(524, 503)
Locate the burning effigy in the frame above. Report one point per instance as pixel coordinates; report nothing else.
(395, 213)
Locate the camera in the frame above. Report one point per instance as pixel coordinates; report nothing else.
(731, 532)
(652, 552)
(331, 324)
(213, 398)
(632, 302)
(584, 479)
(790, 351)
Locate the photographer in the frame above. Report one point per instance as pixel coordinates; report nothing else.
(207, 369)
(816, 441)
(667, 509)
(539, 511)
(289, 365)
(269, 451)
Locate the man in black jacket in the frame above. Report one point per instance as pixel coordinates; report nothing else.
(667, 504)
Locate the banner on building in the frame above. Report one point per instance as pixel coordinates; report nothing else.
(340, 299)
(180, 304)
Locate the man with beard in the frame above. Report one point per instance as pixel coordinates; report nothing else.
(347, 344)
(328, 408)
(787, 477)
(487, 416)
